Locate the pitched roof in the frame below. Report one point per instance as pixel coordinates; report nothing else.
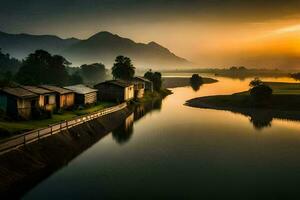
(37, 90)
(56, 89)
(19, 92)
(81, 89)
(142, 79)
(118, 83)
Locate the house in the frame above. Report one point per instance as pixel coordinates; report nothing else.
(18, 102)
(139, 88)
(83, 94)
(148, 83)
(47, 98)
(64, 98)
(115, 90)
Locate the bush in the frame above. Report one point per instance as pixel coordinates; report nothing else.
(261, 92)
(255, 82)
(196, 81)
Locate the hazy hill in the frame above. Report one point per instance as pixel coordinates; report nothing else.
(20, 45)
(101, 47)
(105, 46)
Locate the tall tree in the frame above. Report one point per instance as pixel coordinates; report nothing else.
(156, 79)
(8, 64)
(93, 73)
(123, 68)
(41, 67)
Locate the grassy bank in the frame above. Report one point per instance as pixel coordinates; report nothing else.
(16, 127)
(173, 82)
(150, 96)
(284, 102)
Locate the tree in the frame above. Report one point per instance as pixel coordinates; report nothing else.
(261, 92)
(75, 78)
(156, 79)
(8, 64)
(41, 67)
(255, 82)
(93, 73)
(196, 81)
(123, 68)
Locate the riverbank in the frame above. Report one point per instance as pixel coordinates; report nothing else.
(10, 127)
(174, 82)
(24, 167)
(284, 103)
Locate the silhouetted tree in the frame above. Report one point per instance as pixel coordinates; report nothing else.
(156, 79)
(123, 68)
(261, 92)
(255, 82)
(196, 81)
(75, 78)
(93, 73)
(41, 67)
(8, 64)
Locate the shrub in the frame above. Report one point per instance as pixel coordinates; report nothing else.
(261, 92)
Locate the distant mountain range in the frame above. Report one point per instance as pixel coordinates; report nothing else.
(101, 47)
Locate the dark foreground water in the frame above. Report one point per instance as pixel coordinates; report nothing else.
(179, 151)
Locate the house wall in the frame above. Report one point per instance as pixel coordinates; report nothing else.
(67, 100)
(25, 106)
(3, 102)
(139, 93)
(109, 92)
(129, 93)
(90, 98)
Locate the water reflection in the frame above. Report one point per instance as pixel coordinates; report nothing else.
(261, 119)
(125, 131)
(195, 86)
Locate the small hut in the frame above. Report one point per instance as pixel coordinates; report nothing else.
(83, 95)
(148, 83)
(64, 98)
(47, 99)
(115, 90)
(139, 88)
(18, 102)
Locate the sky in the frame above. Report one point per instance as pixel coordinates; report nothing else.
(210, 33)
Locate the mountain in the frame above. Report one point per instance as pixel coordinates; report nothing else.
(105, 46)
(20, 45)
(101, 47)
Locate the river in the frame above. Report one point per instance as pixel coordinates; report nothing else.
(180, 151)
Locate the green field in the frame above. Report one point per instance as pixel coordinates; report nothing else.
(13, 127)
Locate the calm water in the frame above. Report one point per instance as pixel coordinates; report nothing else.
(179, 151)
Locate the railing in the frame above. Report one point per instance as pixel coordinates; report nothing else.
(31, 136)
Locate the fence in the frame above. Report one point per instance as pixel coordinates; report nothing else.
(31, 136)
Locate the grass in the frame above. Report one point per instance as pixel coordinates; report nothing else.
(15, 127)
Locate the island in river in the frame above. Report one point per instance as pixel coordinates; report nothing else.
(174, 82)
(283, 104)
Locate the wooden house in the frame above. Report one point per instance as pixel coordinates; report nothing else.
(18, 102)
(139, 88)
(115, 90)
(47, 98)
(148, 83)
(64, 98)
(83, 95)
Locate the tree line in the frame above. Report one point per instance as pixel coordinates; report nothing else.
(41, 67)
